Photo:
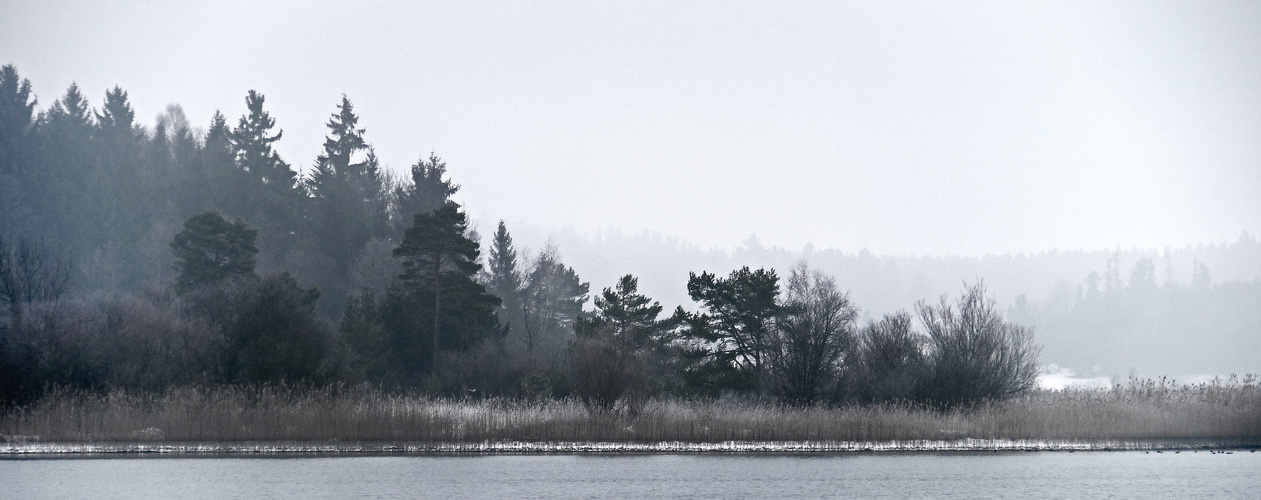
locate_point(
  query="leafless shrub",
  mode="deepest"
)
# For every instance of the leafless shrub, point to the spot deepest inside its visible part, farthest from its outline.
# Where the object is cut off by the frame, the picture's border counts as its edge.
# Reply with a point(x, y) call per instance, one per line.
point(608, 374)
point(890, 361)
point(974, 354)
point(30, 275)
point(811, 347)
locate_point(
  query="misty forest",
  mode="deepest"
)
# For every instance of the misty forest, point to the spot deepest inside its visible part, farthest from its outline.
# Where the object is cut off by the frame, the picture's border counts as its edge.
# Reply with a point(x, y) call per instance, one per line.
point(166, 258)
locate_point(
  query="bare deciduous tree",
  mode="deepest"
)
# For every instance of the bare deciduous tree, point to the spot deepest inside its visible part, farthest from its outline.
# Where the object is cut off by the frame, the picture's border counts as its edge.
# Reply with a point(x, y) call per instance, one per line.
point(29, 275)
point(890, 360)
point(814, 339)
point(975, 355)
point(551, 301)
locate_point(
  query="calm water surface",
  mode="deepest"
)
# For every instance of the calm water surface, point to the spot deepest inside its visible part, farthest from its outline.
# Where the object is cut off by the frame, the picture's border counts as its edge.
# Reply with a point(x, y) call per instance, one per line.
point(968, 475)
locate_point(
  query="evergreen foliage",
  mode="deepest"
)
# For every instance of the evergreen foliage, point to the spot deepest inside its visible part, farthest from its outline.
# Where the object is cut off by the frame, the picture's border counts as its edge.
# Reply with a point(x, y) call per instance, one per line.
point(625, 314)
point(428, 191)
point(729, 340)
point(505, 280)
point(17, 108)
point(397, 261)
point(438, 284)
point(275, 335)
point(211, 249)
point(364, 340)
point(347, 199)
point(272, 199)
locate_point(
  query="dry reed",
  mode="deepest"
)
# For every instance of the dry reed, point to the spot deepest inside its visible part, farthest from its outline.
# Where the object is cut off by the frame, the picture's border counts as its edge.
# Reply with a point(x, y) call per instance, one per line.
point(1140, 410)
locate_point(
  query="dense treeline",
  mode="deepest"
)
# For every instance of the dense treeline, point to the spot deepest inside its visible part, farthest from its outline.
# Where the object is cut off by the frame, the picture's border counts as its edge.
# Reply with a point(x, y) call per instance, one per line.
point(138, 258)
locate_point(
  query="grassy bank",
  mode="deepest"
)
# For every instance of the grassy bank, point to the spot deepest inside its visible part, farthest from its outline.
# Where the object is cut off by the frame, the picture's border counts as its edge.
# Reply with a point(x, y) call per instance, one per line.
point(1141, 410)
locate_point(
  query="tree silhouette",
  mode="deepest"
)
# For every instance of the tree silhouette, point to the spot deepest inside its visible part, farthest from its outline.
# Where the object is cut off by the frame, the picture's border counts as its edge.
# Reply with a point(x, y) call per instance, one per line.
point(439, 256)
point(730, 338)
point(211, 249)
point(428, 191)
point(975, 355)
point(347, 199)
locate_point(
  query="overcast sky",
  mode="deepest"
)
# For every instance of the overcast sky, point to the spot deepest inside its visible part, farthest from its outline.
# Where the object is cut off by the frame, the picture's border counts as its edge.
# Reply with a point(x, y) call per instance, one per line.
point(906, 128)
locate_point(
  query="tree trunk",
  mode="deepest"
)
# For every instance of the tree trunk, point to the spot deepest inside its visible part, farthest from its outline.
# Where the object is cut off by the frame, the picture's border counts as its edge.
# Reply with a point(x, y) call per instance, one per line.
point(437, 311)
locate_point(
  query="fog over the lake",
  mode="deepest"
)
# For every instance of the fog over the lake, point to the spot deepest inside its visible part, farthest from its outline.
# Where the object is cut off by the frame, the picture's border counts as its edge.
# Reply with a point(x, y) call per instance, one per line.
point(909, 129)
point(904, 148)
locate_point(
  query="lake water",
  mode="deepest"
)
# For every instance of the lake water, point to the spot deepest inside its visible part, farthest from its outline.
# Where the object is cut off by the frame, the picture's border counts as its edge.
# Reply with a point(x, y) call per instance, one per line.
point(859, 475)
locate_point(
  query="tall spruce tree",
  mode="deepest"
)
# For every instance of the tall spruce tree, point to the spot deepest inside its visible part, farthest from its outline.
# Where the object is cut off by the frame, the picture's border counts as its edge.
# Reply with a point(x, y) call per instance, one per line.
point(505, 280)
point(227, 184)
point(274, 201)
point(60, 190)
point(347, 198)
point(427, 191)
point(17, 108)
point(129, 190)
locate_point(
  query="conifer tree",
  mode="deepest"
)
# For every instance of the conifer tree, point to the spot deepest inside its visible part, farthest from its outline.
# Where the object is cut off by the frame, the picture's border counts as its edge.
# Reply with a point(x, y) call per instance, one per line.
point(347, 196)
point(439, 264)
point(625, 314)
point(505, 280)
point(734, 332)
point(60, 190)
point(426, 192)
point(273, 200)
point(227, 183)
point(175, 150)
point(211, 249)
point(252, 142)
point(17, 108)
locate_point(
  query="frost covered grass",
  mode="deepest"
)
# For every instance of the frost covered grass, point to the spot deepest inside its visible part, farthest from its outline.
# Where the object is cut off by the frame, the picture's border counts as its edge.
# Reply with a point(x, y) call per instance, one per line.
point(1140, 410)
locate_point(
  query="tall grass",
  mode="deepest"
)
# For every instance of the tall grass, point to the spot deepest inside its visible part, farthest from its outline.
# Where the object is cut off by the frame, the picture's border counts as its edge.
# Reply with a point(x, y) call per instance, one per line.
point(1140, 410)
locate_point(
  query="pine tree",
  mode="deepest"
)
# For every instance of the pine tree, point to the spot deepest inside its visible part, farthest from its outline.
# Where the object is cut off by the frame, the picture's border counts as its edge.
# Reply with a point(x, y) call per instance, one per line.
point(211, 249)
point(439, 265)
point(625, 314)
point(734, 332)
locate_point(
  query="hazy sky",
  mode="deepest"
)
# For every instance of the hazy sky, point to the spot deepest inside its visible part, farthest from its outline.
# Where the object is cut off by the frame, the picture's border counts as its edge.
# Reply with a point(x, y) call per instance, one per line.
point(908, 128)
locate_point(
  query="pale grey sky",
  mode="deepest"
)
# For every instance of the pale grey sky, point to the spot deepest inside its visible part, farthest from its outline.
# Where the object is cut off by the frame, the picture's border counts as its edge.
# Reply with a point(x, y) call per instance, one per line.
point(917, 128)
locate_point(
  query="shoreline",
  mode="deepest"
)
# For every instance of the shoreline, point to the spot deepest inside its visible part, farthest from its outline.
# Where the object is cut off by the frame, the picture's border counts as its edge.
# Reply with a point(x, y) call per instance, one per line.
point(240, 449)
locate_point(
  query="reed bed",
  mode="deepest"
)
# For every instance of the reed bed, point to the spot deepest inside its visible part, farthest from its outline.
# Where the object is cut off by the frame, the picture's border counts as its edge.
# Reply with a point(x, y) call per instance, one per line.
point(1140, 410)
